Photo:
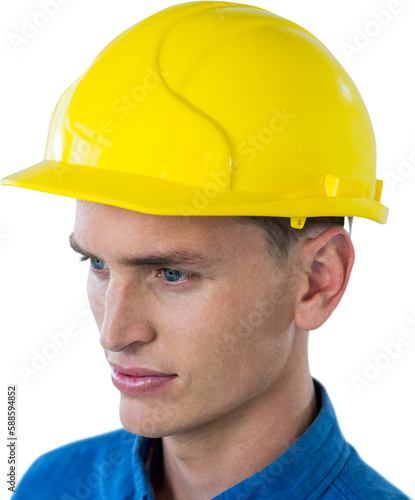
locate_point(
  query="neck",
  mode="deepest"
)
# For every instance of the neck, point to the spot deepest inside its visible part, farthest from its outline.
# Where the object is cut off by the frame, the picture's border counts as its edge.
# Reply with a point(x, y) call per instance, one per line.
point(203, 462)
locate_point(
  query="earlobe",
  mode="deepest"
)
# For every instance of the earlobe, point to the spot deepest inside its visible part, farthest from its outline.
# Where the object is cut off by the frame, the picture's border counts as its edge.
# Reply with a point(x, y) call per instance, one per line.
point(326, 262)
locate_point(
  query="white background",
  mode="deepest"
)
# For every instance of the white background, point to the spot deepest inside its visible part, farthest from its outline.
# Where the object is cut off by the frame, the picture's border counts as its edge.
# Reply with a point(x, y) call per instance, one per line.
point(43, 284)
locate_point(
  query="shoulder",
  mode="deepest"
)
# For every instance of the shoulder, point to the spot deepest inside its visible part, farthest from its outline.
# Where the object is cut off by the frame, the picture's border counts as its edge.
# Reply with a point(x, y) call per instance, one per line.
point(359, 481)
point(82, 467)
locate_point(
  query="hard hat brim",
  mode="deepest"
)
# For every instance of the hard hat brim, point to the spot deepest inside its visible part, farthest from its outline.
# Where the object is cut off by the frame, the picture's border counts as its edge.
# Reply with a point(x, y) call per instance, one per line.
point(160, 197)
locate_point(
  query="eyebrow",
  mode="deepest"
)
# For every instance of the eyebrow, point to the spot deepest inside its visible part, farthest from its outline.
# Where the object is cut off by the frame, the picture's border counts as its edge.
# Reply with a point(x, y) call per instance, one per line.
point(177, 257)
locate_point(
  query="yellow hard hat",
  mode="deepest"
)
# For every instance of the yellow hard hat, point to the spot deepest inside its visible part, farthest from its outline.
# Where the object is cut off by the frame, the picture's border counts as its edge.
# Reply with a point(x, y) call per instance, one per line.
point(214, 108)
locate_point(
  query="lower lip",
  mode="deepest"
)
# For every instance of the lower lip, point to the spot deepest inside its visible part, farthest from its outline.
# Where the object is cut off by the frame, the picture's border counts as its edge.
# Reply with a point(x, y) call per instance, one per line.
point(139, 385)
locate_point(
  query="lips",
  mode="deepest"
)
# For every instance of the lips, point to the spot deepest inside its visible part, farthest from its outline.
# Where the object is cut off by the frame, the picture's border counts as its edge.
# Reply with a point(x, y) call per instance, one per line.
point(139, 380)
point(138, 371)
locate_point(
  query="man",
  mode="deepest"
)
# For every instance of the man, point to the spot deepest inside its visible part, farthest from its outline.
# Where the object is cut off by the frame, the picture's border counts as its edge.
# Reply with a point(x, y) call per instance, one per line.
point(214, 150)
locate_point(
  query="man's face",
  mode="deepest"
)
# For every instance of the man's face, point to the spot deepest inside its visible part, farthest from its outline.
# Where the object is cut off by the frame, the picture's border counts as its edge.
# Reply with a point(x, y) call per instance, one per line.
point(225, 333)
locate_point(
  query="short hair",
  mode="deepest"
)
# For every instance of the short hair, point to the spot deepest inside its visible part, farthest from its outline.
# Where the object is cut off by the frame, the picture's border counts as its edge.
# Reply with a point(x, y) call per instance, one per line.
point(281, 237)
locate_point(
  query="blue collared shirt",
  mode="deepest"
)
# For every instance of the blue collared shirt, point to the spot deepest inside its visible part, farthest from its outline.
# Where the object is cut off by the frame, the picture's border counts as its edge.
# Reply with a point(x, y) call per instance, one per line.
point(117, 466)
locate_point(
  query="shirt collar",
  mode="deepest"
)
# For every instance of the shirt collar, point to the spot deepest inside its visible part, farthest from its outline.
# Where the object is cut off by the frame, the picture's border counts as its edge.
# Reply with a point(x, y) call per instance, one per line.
point(304, 470)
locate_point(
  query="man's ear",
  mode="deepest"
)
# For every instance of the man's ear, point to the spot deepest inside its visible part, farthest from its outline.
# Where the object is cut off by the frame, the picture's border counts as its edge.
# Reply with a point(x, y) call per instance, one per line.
point(326, 262)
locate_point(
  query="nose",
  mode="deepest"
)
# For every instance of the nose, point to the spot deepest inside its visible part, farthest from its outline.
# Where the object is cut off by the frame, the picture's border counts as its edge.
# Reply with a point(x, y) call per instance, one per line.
point(126, 318)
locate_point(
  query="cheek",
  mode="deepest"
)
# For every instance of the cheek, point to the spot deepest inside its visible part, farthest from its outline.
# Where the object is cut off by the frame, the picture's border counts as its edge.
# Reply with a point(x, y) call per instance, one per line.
point(96, 298)
point(230, 337)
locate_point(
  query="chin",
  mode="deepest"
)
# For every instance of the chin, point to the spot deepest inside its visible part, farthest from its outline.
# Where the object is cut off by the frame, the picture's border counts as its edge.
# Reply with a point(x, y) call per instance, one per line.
point(153, 421)
point(147, 428)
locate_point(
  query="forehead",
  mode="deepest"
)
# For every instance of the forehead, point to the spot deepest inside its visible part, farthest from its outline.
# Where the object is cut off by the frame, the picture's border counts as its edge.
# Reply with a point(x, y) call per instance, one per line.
point(92, 214)
point(128, 231)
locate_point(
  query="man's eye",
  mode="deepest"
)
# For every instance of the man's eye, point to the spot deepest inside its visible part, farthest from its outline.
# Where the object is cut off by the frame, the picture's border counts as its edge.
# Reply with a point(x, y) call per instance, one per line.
point(173, 275)
point(97, 264)
point(170, 275)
